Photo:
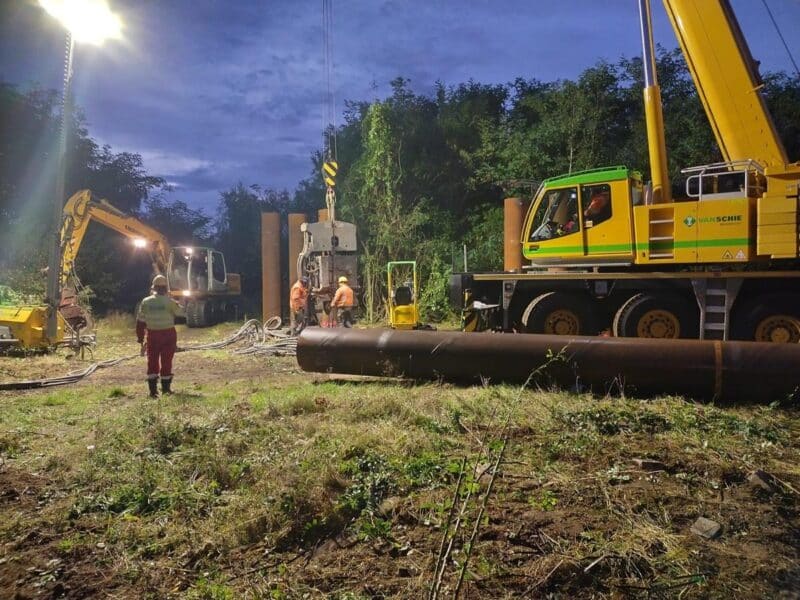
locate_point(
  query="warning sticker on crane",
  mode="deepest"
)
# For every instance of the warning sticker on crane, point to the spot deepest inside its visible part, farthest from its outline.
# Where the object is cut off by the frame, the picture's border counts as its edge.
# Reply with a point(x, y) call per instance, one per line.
point(329, 169)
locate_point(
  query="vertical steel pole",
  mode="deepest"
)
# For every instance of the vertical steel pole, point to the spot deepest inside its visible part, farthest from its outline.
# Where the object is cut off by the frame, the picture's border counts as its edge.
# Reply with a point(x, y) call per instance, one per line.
point(54, 264)
point(654, 119)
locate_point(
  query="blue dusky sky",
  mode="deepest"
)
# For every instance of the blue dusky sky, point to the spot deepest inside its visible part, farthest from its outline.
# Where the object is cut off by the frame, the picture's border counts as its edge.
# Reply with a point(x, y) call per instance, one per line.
point(212, 92)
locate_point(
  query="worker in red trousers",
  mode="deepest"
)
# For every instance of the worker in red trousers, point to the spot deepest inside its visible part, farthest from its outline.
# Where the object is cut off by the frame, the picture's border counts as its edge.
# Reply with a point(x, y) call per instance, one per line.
point(157, 315)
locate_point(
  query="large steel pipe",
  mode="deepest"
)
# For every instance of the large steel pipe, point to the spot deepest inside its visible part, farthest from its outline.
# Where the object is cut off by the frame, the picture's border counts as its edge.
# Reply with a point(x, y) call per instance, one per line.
point(726, 371)
point(270, 265)
point(513, 214)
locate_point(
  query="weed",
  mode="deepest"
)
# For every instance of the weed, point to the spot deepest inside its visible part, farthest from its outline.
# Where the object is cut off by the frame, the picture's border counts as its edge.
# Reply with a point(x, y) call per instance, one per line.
point(546, 500)
point(373, 528)
point(429, 468)
point(206, 589)
point(10, 445)
point(371, 481)
point(610, 421)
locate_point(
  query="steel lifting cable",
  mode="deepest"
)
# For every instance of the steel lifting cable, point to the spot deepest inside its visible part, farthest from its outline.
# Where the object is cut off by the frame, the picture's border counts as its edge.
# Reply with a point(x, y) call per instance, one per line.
point(329, 125)
point(263, 340)
point(780, 35)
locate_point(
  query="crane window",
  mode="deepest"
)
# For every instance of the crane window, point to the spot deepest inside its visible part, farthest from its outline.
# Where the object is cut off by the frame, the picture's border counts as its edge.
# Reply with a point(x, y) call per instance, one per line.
point(179, 274)
point(218, 267)
point(596, 200)
point(556, 215)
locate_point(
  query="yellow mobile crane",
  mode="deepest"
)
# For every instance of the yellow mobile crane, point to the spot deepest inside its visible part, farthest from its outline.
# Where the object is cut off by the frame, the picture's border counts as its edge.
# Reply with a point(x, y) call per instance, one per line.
point(721, 263)
point(196, 275)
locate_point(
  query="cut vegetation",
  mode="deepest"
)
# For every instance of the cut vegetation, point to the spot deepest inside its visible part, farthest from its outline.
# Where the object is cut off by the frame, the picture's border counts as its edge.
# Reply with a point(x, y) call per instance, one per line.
point(257, 480)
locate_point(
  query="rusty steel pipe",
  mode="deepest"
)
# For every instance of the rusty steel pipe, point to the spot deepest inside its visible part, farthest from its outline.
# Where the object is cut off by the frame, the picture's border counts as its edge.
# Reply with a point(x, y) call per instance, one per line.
point(513, 214)
point(270, 265)
point(726, 371)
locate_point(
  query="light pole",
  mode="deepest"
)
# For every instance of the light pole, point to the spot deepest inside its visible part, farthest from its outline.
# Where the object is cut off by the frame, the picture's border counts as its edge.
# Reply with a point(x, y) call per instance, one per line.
point(88, 21)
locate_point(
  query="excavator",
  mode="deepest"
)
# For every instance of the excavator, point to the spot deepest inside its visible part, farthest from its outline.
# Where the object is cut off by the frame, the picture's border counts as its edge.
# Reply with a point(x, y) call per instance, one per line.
point(196, 275)
point(609, 253)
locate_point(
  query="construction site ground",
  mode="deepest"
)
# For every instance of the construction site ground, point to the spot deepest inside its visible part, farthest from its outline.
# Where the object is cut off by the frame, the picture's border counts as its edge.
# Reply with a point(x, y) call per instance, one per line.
point(256, 480)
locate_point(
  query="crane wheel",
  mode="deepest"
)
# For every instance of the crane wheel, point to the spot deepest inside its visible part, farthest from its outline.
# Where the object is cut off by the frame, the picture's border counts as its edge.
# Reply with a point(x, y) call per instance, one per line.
point(558, 313)
point(774, 318)
point(657, 316)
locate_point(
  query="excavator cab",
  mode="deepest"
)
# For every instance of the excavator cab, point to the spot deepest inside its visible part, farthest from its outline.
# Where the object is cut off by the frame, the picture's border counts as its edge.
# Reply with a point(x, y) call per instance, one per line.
point(198, 276)
point(195, 271)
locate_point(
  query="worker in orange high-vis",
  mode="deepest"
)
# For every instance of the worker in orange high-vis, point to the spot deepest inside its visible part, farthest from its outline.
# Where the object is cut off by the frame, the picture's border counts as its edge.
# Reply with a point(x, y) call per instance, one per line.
point(156, 316)
point(342, 304)
point(298, 302)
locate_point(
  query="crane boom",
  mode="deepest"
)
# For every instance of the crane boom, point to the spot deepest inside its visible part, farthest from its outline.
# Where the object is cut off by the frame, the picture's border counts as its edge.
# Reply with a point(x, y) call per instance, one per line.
point(82, 208)
point(727, 81)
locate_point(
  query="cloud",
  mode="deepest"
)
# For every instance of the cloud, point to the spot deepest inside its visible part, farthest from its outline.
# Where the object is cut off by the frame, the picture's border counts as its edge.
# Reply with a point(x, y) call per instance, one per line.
point(165, 164)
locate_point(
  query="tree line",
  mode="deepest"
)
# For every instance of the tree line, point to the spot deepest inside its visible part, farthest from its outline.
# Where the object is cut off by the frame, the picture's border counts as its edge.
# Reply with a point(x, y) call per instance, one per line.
point(421, 175)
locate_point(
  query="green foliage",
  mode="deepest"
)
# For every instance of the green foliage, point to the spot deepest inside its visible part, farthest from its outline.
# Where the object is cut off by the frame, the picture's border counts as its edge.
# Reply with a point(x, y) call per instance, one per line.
point(609, 421)
point(433, 298)
point(546, 500)
point(371, 481)
point(209, 589)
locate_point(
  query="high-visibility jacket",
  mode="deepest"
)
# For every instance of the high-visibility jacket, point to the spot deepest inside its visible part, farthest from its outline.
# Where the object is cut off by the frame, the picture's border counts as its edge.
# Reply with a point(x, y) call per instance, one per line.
point(298, 297)
point(158, 312)
point(344, 297)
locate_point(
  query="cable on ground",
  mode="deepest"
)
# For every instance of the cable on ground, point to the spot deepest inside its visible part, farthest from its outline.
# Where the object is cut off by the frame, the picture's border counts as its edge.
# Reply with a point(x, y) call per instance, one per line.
point(262, 340)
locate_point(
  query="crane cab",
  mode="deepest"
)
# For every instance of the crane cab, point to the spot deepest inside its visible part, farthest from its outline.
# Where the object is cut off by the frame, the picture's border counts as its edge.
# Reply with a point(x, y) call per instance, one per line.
point(583, 219)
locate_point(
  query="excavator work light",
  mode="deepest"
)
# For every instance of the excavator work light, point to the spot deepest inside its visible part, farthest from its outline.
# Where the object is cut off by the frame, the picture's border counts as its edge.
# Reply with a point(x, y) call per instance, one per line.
point(139, 242)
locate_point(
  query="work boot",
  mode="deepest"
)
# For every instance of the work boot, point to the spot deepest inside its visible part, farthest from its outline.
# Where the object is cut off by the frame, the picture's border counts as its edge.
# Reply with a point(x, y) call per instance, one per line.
point(166, 385)
point(153, 383)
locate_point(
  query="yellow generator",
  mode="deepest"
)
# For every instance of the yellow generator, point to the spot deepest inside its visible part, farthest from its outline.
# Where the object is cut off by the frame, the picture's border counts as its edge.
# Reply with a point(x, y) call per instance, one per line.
point(403, 302)
point(26, 327)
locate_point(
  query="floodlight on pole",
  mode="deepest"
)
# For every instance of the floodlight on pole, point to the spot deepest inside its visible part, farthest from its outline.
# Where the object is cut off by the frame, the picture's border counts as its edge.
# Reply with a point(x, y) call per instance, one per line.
point(89, 21)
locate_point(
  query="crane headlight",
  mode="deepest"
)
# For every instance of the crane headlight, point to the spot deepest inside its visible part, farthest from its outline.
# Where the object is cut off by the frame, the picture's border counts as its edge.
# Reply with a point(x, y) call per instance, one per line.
point(139, 242)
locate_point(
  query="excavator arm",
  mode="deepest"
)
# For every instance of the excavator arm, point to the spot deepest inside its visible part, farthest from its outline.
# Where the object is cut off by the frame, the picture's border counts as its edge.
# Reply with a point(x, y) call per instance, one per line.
point(82, 208)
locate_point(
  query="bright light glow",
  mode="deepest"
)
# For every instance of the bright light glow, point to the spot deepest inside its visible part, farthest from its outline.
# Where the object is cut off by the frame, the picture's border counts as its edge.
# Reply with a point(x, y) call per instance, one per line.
point(139, 242)
point(190, 251)
point(186, 293)
point(89, 21)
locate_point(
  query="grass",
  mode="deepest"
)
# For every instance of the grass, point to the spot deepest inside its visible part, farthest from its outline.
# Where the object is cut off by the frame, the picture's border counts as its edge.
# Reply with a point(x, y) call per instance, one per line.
point(259, 481)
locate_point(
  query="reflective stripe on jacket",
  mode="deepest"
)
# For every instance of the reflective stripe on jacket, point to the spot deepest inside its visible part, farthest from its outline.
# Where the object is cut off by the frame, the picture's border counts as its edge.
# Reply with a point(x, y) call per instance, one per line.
point(344, 297)
point(159, 312)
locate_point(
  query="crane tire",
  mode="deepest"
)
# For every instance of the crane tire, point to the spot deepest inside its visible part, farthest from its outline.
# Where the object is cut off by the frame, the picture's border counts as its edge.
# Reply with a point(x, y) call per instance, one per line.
point(773, 318)
point(559, 313)
point(665, 316)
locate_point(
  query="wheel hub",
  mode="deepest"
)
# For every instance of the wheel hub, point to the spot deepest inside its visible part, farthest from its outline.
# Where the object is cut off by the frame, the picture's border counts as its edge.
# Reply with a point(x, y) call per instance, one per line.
point(779, 329)
point(562, 322)
point(659, 323)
